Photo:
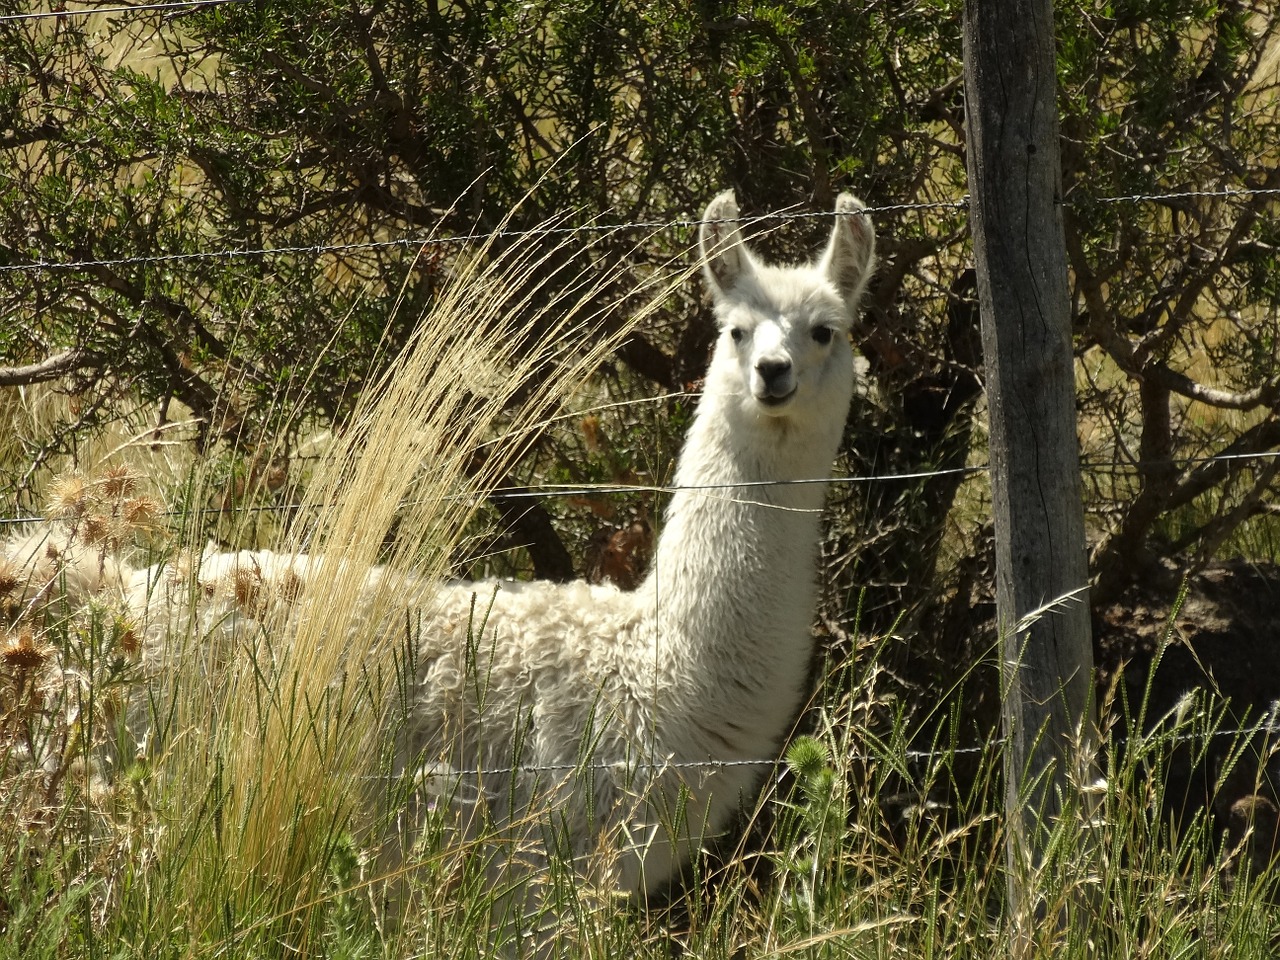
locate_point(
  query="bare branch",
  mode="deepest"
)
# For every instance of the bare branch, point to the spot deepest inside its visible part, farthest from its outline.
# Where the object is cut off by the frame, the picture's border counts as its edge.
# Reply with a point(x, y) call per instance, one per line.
point(50, 368)
point(1118, 347)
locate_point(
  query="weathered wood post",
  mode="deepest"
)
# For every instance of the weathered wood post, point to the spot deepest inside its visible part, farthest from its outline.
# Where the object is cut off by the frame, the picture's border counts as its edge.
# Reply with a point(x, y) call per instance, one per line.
point(1020, 252)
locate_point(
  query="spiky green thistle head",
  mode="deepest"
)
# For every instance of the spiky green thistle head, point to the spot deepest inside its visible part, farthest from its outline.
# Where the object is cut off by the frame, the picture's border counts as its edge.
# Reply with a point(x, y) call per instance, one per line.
point(807, 758)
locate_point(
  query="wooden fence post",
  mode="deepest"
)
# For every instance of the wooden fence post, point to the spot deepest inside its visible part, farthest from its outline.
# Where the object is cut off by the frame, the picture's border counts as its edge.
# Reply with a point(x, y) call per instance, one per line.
point(1019, 248)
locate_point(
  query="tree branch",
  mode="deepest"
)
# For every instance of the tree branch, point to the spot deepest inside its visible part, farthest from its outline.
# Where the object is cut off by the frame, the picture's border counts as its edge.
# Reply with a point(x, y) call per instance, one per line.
point(1265, 394)
point(528, 525)
point(50, 368)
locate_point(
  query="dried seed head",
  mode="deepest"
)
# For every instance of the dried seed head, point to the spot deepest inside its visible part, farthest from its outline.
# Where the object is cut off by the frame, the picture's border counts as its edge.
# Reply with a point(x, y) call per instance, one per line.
point(10, 577)
point(95, 529)
point(69, 496)
point(126, 636)
point(140, 511)
point(289, 586)
point(247, 586)
point(119, 482)
point(179, 570)
point(275, 476)
point(102, 793)
point(129, 642)
point(79, 771)
point(22, 651)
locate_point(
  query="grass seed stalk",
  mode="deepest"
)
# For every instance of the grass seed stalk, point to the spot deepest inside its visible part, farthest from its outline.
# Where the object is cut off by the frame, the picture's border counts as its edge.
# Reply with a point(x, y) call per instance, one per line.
point(284, 745)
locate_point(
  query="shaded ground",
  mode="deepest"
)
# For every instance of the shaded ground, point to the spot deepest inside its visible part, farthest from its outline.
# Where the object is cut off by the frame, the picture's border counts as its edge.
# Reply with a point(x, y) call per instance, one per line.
point(1225, 638)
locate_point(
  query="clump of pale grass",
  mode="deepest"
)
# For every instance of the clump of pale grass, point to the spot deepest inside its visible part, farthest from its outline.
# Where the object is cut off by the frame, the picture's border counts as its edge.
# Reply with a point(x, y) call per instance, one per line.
point(283, 754)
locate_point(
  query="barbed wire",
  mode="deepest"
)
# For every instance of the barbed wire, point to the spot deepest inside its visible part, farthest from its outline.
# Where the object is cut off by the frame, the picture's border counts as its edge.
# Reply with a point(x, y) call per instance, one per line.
point(558, 490)
point(160, 7)
point(1221, 193)
point(601, 229)
point(459, 239)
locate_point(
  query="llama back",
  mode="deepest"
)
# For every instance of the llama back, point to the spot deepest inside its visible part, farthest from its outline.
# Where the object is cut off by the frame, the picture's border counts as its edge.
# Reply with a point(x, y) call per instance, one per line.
point(526, 704)
point(542, 705)
point(501, 673)
point(47, 563)
point(515, 677)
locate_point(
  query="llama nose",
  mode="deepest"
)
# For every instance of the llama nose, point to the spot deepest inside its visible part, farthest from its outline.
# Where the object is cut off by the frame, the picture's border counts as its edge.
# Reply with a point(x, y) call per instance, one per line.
point(776, 376)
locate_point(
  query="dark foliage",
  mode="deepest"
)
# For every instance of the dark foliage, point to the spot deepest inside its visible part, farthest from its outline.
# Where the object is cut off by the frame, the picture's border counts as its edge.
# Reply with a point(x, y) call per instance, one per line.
point(155, 151)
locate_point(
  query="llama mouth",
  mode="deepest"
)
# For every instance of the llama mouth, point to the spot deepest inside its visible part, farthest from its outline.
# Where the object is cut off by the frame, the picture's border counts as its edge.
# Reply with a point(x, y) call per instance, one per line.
point(771, 401)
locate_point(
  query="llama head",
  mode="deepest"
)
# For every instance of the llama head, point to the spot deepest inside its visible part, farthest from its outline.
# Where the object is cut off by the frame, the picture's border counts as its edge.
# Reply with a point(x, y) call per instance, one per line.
point(784, 351)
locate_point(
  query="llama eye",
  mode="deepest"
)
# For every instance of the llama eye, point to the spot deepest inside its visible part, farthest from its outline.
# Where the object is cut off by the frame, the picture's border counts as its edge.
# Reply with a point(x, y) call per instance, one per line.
point(822, 335)
point(736, 333)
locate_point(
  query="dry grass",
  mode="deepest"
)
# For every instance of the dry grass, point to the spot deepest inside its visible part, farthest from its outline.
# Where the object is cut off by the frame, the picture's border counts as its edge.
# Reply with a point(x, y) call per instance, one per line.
point(285, 748)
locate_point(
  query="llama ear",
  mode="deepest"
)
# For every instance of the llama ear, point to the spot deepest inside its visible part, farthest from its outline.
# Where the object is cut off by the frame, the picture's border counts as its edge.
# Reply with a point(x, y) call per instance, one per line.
point(851, 252)
point(724, 255)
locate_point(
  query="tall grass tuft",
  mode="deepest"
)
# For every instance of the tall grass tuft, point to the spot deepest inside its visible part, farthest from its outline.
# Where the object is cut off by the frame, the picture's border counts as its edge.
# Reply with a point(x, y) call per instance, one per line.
point(276, 763)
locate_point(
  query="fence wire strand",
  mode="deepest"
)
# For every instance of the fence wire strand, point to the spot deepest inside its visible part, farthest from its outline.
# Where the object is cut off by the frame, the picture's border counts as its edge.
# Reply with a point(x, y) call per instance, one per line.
point(553, 490)
point(1268, 727)
point(599, 229)
point(433, 240)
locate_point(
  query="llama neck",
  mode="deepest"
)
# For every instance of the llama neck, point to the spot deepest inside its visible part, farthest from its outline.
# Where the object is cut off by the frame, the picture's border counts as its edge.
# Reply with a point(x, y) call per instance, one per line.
point(733, 584)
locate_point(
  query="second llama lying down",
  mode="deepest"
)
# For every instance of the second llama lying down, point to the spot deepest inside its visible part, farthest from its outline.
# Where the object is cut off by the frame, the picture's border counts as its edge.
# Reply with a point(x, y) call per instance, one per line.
point(660, 691)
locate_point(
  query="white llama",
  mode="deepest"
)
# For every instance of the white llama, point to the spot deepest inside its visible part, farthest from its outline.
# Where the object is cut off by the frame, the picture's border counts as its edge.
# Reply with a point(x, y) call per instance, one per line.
point(625, 714)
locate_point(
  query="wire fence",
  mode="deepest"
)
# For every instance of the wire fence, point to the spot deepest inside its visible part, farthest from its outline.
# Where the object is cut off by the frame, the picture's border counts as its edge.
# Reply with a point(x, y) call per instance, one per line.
point(432, 240)
point(1267, 727)
point(464, 239)
point(580, 490)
